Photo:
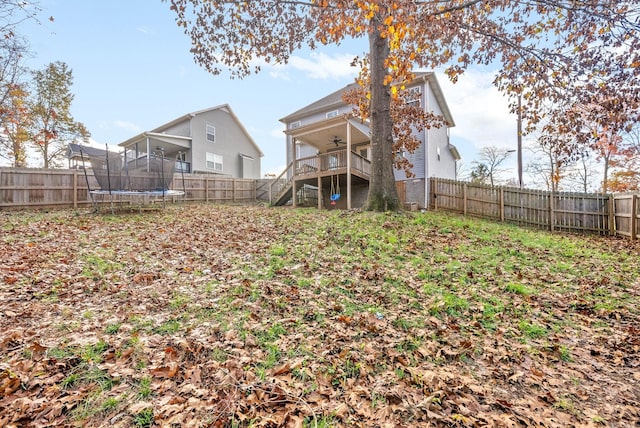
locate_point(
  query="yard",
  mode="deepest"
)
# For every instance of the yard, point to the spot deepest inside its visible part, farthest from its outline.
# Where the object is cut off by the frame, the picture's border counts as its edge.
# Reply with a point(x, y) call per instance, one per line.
point(248, 316)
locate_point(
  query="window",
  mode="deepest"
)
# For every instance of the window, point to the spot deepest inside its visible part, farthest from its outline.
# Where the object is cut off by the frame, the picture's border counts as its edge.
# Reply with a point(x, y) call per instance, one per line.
point(211, 134)
point(214, 162)
point(438, 151)
point(331, 114)
point(364, 153)
point(413, 96)
point(295, 124)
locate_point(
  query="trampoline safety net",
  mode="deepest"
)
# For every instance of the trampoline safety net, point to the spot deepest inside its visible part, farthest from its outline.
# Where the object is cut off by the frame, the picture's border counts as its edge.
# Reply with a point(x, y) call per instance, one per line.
point(150, 174)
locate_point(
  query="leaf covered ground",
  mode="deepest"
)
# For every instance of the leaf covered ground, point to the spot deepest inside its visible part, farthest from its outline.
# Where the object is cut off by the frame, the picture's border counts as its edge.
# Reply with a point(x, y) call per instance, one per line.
point(248, 316)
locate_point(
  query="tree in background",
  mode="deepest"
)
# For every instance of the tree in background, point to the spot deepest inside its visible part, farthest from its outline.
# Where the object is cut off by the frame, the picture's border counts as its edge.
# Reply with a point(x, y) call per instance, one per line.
point(13, 50)
point(479, 173)
point(52, 123)
point(14, 121)
point(549, 51)
point(626, 167)
point(488, 167)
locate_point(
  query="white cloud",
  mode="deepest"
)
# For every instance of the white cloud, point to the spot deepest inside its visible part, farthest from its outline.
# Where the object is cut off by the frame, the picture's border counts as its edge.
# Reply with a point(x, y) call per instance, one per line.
point(127, 126)
point(317, 66)
point(145, 30)
point(480, 111)
point(277, 132)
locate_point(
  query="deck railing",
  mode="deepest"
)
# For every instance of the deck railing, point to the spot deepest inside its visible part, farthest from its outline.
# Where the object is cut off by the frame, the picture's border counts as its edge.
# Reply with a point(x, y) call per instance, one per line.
point(312, 166)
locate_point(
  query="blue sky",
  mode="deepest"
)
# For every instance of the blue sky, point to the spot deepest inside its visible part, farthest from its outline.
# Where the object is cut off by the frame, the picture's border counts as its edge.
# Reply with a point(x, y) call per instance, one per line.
point(133, 71)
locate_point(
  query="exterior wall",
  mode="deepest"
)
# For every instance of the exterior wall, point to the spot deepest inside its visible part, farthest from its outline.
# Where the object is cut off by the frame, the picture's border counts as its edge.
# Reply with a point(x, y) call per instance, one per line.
point(417, 158)
point(183, 129)
point(230, 140)
point(440, 160)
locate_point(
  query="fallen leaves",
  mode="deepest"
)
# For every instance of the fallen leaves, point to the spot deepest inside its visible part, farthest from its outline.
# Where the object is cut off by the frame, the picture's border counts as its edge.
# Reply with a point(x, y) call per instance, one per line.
point(214, 315)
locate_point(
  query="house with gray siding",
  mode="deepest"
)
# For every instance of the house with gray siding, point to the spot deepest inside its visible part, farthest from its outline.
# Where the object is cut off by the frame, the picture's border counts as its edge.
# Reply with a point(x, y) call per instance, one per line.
point(210, 141)
point(328, 152)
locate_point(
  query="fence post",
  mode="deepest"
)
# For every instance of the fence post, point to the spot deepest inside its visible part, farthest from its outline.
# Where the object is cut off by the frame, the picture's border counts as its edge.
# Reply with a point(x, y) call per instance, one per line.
point(464, 199)
point(502, 204)
point(634, 216)
point(612, 215)
point(75, 189)
point(233, 188)
point(206, 188)
point(435, 194)
point(552, 212)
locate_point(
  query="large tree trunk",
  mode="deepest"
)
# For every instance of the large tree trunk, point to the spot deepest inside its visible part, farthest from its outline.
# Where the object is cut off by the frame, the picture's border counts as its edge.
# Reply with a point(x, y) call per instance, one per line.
point(383, 194)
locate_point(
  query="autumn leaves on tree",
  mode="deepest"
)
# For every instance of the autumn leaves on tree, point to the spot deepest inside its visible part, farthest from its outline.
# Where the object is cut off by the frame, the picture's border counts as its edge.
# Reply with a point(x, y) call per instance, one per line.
point(552, 54)
point(33, 112)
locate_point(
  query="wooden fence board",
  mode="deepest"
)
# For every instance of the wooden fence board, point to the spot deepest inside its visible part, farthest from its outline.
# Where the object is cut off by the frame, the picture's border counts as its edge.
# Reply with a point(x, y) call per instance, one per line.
point(562, 211)
point(31, 187)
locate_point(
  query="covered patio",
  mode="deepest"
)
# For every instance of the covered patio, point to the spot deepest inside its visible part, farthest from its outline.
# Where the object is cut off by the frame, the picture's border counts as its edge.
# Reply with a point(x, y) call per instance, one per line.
point(341, 162)
point(139, 149)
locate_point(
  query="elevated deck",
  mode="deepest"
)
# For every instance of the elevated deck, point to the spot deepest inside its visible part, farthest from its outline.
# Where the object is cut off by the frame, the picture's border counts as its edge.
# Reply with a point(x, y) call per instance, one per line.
point(319, 171)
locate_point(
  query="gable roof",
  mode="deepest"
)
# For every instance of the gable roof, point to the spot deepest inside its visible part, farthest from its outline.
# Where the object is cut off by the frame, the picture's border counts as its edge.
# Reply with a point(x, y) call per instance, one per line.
point(224, 107)
point(335, 100)
point(187, 117)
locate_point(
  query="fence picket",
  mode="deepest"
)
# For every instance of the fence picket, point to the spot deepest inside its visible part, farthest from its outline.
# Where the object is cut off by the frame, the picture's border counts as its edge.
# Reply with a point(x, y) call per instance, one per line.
point(554, 211)
point(32, 187)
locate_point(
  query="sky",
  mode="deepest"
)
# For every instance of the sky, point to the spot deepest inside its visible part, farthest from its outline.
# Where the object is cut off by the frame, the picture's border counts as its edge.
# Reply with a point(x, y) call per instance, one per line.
point(132, 72)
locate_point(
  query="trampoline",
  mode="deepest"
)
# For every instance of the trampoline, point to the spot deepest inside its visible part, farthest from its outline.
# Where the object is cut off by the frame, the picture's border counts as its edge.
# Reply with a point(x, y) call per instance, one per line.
point(134, 182)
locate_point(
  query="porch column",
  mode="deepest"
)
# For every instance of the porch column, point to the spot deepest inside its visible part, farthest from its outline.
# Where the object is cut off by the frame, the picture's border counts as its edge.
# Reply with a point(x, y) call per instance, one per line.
point(293, 193)
point(293, 171)
point(148, 154)
point(348, 165)
point(319, 192)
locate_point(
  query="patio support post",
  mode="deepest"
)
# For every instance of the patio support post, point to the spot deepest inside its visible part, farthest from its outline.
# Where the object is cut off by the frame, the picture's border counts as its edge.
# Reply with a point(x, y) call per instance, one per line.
point(348, 165)
point(293, 193)
point(319, 192)
point(148, 154)
point(293, 171)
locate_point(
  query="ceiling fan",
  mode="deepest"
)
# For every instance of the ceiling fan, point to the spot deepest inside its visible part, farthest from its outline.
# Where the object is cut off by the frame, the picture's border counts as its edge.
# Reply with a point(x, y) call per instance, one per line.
point(336, 140)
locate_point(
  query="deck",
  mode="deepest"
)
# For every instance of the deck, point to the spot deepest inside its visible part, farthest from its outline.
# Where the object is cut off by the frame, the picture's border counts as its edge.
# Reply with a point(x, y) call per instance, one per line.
point(319, 171)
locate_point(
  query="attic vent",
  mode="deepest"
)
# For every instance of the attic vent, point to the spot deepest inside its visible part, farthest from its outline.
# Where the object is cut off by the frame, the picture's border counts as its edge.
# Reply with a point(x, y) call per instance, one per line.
point(294, 125)
point(331, 114)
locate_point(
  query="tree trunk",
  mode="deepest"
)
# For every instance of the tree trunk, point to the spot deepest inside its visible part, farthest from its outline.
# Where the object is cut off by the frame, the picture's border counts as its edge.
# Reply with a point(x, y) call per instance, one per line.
point(383, 194)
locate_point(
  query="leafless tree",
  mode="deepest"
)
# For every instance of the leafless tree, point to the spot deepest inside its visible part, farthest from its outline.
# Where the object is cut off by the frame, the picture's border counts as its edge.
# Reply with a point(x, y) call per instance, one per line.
point(490, 161)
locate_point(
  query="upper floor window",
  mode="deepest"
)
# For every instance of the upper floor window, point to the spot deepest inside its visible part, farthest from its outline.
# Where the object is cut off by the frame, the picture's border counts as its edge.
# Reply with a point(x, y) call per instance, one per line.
point(331, 114)
point(413, 96)
point(211, 134)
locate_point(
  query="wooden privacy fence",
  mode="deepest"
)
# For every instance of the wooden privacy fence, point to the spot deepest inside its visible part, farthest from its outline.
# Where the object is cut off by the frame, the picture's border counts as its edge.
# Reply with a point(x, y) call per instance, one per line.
point(29, 187)
point(556, 211)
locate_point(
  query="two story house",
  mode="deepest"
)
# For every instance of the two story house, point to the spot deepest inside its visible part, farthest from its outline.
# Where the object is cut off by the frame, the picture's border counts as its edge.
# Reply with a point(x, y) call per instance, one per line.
point(328, 152)
point(206, 141)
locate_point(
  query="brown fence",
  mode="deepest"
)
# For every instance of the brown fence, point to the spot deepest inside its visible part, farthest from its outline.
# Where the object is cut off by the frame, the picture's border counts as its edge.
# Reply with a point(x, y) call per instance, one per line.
point(572, 212)
point(29, 187)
